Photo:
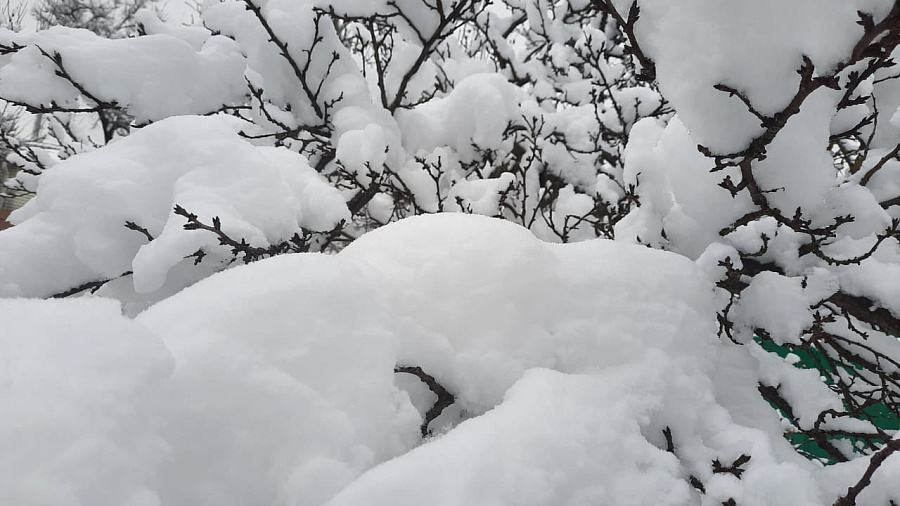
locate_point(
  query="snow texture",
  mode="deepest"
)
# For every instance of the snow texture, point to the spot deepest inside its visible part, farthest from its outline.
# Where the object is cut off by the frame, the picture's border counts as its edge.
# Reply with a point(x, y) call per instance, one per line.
point(129, 72)
point(567, 362)
point(262, 194)
point(571, 365)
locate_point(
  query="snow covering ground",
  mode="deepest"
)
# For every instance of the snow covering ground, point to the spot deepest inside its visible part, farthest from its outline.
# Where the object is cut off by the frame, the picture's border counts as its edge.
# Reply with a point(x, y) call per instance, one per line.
point(274, 383)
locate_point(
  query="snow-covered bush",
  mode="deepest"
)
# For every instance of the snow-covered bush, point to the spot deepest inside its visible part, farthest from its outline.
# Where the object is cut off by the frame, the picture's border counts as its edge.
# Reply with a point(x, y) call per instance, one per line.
point(757, 143)
point(69, 132)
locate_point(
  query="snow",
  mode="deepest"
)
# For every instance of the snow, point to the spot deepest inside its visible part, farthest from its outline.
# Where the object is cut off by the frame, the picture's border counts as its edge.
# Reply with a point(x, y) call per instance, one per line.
point(196, 36)
point(854, 200)
point(78, 383)
point(677, 188)
point(481, 196)
point(261, 194)
point(771, 302)
point(874, 279)
point(363, 151)
point(883, 489)
point(283, 390)
point(483, 460)
point(802, 388)
point(283, 387)
point(294, 23)
point(476, 112)
point(587, 373)
point(127, 72)
point(756, 47)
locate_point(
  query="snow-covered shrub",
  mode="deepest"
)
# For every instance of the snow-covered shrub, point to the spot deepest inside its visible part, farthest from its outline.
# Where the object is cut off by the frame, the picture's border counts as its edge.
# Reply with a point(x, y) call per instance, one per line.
point(579, 373)
point(758, 143)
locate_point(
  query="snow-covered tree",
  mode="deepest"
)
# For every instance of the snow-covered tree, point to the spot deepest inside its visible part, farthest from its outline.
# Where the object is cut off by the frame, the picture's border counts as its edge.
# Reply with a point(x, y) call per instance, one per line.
point(738, 332)
point(55, 133)
point(107, 18)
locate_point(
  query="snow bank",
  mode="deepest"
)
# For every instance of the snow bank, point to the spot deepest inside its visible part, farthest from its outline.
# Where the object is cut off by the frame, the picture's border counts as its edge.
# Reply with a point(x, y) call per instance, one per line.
point(568, 364)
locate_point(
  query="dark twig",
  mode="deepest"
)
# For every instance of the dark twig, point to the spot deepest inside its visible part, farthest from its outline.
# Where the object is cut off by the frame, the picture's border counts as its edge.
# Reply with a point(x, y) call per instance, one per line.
point(734, 468)
point(130, 225)
point(849, 499)
point(91, 286)
point(444, 397)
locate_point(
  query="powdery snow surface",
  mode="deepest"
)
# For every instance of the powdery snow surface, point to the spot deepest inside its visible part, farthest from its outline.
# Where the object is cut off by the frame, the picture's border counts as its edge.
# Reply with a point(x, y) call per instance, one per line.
point(78, 424)
point(274, 383)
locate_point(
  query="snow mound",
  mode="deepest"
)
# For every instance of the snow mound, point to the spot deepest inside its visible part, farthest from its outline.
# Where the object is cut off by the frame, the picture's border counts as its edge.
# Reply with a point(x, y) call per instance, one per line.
point(283, 389)
point(77, 381)
point(568, 364)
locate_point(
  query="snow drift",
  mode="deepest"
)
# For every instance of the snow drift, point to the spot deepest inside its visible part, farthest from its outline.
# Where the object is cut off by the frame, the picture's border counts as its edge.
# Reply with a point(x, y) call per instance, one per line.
point(274, 383)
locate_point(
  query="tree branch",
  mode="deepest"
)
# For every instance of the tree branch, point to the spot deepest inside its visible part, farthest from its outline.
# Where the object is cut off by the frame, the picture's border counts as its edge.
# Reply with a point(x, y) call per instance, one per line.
point(444, 397)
